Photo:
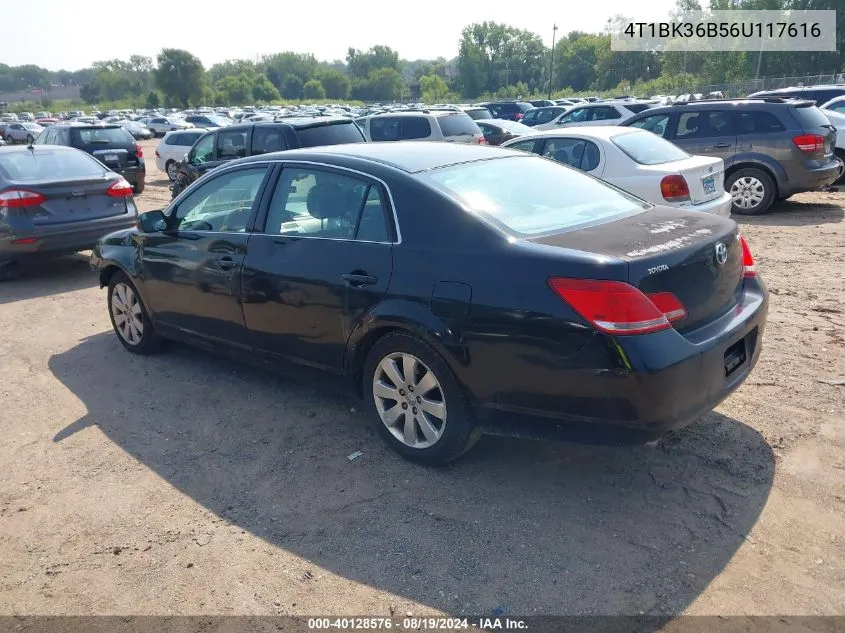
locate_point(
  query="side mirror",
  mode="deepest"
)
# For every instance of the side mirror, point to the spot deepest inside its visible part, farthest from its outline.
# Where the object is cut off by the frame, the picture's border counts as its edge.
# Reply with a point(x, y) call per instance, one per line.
point(152, 222)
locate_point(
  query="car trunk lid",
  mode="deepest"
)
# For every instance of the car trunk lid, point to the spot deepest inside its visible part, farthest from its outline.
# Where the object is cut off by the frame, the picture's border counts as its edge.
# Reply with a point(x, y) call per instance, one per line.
point(113, 146)
point(704, 175)
point(75, 201)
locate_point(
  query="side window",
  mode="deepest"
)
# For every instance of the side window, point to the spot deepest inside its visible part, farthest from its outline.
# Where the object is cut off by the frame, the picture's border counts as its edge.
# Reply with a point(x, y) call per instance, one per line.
point(758, 122)
point(64, 137)
point(231, 144)
point(221, 204)
point(605, 113)
point(656, 123)
point(326, 204)
point(523, 146)
point(203, 151)
point(384, 129)
point(709, 124)
point(173, 139)
point(414, 127)
point(575, 152)
point(575, 116)
point(266, 139)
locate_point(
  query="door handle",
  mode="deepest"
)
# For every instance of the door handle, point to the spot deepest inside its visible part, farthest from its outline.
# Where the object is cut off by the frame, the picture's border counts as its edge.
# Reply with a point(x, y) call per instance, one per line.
point(358, 280)
point(226, 263)
point(723, 145)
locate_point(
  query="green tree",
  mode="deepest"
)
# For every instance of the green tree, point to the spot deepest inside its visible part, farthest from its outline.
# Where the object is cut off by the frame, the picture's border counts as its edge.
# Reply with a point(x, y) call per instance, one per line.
point(153, 100)
point(281, 67)
point(433, 89)
point(335, 83)
point(360, 64)
point(263, 90)
point(313, 89)
point(180, 76)
point(383, 84)
point(292, 87)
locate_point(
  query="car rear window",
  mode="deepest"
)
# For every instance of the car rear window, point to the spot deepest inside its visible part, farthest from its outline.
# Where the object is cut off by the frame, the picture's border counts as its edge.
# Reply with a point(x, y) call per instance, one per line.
point(478, 113)
point(335, 134)
point(48, 164)
point(636, 108)
point(528, 196)
point(646, 148)
point(810, 118)
point(457, 125)
point(103, 136)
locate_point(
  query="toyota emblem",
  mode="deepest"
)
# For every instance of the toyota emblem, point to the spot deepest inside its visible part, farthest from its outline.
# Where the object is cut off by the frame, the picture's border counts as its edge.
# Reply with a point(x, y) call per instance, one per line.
point(721, 253)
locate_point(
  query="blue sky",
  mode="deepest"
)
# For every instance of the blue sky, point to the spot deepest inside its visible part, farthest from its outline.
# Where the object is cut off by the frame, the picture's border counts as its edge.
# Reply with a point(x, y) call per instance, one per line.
point(71, 35)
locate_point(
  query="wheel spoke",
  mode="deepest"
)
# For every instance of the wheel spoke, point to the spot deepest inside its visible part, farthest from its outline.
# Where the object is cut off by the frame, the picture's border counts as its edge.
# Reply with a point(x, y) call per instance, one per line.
point(410, 432)
point(392, 370)
point(382, 390)
point(437, 409)
point(119, 318)
point(426, 383)
point(392, 415)
point(429, 431)
point(136, 308)
point(409, 368)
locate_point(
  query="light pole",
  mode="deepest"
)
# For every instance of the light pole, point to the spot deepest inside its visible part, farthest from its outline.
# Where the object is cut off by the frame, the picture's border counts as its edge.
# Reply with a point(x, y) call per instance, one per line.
point(552, 64)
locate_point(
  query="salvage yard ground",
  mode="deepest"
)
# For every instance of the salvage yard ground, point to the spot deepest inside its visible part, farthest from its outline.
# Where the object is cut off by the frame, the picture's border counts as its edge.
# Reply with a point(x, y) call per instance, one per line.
point(183, 484)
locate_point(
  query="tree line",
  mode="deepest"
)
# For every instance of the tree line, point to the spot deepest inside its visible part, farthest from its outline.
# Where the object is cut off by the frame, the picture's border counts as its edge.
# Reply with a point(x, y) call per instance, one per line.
point(494, 60)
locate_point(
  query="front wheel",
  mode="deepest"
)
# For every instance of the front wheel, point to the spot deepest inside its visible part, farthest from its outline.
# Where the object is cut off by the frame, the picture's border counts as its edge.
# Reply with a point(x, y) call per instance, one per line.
point(420, 409)
point(129, 317)
point(170, 168)
point(753, 191)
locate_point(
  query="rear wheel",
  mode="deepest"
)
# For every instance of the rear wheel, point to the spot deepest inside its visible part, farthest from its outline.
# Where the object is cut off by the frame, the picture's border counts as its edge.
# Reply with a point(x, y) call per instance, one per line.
point(138, 187)
point(129, 317)
point(840, 154)
point(170, 168)
point(752, 190)
point(420, 409)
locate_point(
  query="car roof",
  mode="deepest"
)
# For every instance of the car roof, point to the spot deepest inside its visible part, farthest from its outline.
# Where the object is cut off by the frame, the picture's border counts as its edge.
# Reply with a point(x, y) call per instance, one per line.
point(20, 149)
point(603, 132)
point(409, 157)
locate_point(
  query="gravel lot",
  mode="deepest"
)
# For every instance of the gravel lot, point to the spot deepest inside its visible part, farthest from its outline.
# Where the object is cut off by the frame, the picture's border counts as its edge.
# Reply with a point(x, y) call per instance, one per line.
point(184, 484)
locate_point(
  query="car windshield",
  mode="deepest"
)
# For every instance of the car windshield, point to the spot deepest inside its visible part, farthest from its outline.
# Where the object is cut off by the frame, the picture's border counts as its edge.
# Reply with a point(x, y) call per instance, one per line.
point(646, 148)
point(527, 196)
point(32, 126)
point(46, 164)
point(218, 120)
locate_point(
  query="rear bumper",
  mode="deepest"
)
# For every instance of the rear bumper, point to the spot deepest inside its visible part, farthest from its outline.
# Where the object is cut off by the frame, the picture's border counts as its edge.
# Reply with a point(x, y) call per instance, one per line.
point(720, 206)
point(813, 179)
point(662, 381)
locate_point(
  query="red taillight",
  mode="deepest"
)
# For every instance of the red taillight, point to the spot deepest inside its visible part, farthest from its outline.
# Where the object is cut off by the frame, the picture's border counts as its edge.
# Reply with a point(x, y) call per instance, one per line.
point(674, 188)
point(482, 140)
point(25, 240)
point(748, 267)
point(139, 151)
point(615, 307)
point(518, 116)
point(119, 189)
point(809, 143)
point(17, 198)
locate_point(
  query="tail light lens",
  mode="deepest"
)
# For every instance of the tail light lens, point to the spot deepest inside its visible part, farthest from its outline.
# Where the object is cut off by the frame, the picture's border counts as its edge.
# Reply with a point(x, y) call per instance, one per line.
point(748, 267)
point(518, 116)
point(482, 140)
point(119, 189)
point(615, 307)
point(809, 143)
point(18, 198)
point(674, 188)
point(139, 151)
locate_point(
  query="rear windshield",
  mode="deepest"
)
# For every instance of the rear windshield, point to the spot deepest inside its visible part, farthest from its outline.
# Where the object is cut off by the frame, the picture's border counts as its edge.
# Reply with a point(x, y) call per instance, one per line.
point(47, 164)
point(457, 125)
point(529, 196)
point(646, 148)
point(810, 118)
point(479, 113)
point(103, 136)
point(330, 135)
point(636, 108)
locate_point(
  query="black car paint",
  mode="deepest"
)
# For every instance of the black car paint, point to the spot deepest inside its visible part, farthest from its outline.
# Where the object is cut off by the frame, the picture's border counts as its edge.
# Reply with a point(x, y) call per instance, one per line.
point(528, 363)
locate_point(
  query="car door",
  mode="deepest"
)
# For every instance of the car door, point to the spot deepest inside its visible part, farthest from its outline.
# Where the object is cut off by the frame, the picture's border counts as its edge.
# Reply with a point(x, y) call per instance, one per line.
point(192, 270)
point(579, 153)
point(321, 263)
point(706, 133)
point(604, 115)
point(202, 157)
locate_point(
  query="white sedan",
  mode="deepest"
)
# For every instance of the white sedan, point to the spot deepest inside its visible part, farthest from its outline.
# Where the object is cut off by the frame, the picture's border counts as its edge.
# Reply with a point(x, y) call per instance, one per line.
point(173, 147)
point(639, 162)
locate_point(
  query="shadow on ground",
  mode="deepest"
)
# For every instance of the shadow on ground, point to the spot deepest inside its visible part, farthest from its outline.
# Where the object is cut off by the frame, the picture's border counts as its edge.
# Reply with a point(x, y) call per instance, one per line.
point(44, 277)
point(516, 526)
point(795, 213)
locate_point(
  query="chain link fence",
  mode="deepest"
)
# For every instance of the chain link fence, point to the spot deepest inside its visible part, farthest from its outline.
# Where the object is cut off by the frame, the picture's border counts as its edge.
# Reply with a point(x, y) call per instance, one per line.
point(745, 88)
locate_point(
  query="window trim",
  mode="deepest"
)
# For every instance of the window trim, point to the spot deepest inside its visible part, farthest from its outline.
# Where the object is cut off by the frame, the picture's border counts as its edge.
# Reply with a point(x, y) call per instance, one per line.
point(262, 219)
point(568, 137)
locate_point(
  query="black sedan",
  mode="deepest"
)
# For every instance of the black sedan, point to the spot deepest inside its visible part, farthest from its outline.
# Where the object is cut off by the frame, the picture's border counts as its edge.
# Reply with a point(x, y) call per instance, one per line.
point(461, 289)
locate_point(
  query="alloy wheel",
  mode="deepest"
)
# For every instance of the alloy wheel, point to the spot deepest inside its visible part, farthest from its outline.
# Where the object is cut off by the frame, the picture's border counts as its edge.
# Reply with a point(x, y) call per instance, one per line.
point(127, 313)
point(409, 400)
point(747, 192)
point(171, 170)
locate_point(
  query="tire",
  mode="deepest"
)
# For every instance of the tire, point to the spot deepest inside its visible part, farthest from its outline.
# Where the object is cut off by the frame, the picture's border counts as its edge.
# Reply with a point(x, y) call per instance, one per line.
point(179, 185)
point(138, 188)
point(171, 164)
point(8, 271)
point(753, 188)
point(418, 433)
point(840, 154)
point(122, 292)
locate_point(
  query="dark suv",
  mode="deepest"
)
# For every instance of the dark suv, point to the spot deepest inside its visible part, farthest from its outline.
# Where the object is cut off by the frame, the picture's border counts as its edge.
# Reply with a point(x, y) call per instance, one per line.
point(772, 148)
point(219, 146)
point(112, 145)
point(511, 110)
point(817, 94)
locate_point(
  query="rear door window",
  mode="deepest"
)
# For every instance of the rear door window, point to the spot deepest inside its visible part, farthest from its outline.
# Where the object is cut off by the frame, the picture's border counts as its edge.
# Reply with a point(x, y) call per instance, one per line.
point(231, 144)
point(656, 124)
point(268, 138)
point(575, 152)
point(335, 134)
point(577, 115)
point(758, 122)
point(605, 113)
point(706, 124)
point(457, 125)
point(524, 146)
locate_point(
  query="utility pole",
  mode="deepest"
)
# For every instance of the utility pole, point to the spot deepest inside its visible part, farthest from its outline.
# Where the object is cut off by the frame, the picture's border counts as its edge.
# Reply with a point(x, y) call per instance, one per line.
point(552, 64)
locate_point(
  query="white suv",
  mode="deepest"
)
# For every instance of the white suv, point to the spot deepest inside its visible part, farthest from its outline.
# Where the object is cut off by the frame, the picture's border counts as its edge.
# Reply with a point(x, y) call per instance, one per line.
point(173, 147)
point(451, 126)
point(600, 113)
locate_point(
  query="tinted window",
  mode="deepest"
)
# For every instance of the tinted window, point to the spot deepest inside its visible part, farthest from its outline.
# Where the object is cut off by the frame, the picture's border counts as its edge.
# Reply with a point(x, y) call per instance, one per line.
point(648, 149)
point(822, 96)
point(268, 139)
point(575, 116)
point(457, 125)
point(758, 122)
point(605, 113)
point(414, 127)
point(543, 115)
point(526, 196)
point(203, 150)
point(221, 204)
point(636, 108)
point(705, 124)
point(657, 123)
point(46, 164)
point(479, 113)
point(174, 139)
point(523, 146)
point(103, 136)
point(810, 118)
point(837, 107)
point(231, 144)
point(578, 153)
point(326, 204)
point(385, 129)
point(335, 134)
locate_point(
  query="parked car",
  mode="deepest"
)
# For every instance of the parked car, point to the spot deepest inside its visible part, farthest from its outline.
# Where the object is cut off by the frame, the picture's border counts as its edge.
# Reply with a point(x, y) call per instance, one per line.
point(837, 104)
point(836, 116)
point(173, 147)
point(56, 200)
point(208, 120)
point(138, 131)
point(476, 112)
point(538, 116)
point(497, 131)
point(600, 113)
point(110, 144)
point(639, 162)
point(427, 125)
point(217, 147)
point(817, 94)
point(772, 148)
point(160, 125)
point(511, 110)
point(419, 271)
point(22, 132)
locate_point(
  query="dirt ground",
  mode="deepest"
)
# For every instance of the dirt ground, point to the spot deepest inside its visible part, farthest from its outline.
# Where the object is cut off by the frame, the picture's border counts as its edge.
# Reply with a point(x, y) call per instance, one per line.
point(183, 484)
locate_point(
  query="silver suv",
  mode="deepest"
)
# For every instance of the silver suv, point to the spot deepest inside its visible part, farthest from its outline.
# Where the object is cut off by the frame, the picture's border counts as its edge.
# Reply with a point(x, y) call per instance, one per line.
point(422, 125)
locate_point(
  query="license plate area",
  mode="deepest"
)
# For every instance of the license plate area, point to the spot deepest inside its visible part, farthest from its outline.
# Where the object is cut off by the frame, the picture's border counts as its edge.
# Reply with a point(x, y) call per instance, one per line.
point(709, 184)
point(735, 357)
point(110, 158)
